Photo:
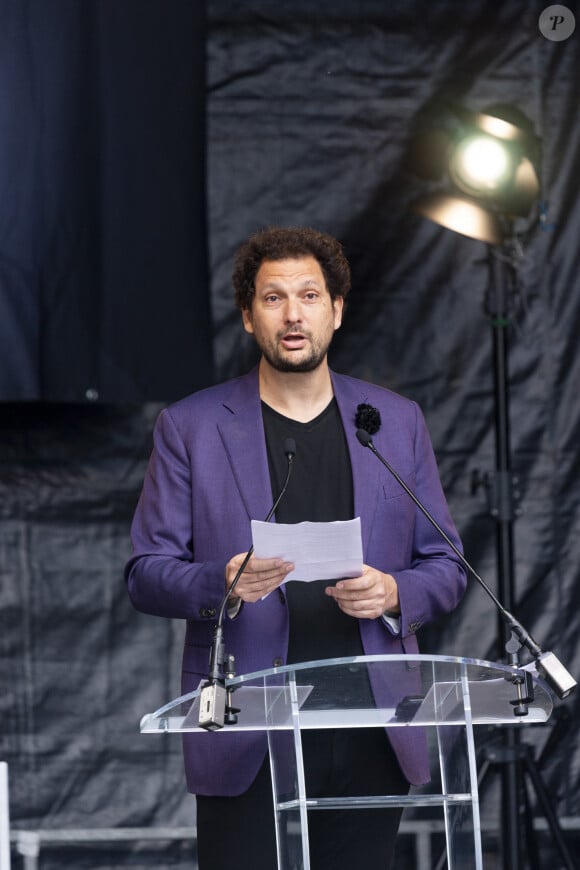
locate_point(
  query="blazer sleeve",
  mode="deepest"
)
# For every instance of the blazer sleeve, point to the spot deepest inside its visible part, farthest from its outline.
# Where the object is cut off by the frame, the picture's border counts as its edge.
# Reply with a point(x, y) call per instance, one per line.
point(162, 575)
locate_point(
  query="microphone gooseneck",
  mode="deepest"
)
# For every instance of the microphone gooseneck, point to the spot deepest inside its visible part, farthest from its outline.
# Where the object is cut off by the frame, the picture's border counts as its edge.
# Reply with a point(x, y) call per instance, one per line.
point(212, 710)
point(290, 452)
point(548, 666)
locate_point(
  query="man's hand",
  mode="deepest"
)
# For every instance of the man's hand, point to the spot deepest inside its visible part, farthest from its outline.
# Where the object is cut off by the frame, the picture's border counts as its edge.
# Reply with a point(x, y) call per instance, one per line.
point(260, 576)
point(368, 596)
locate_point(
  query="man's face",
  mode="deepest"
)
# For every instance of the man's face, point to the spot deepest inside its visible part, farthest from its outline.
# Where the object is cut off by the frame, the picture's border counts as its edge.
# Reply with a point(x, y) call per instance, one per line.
point(292, 316)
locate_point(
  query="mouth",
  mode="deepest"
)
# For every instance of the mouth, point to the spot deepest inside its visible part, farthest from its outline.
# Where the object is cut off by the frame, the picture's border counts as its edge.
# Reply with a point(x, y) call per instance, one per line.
point(294, 340)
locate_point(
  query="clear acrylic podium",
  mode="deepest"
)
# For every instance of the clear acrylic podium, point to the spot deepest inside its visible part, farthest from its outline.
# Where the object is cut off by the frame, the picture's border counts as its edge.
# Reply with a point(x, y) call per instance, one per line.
point(444, 696)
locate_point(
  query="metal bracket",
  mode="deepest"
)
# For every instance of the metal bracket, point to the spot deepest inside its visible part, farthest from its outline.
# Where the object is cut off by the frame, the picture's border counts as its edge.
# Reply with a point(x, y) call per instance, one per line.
point(503, 493)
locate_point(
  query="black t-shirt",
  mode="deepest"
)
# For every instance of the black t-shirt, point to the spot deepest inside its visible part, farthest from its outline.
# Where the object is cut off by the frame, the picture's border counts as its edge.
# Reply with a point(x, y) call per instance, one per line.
point(320, 490)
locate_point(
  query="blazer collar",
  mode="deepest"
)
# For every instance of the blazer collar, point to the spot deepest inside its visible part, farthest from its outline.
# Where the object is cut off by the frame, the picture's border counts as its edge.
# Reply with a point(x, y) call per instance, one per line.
point(242, 432)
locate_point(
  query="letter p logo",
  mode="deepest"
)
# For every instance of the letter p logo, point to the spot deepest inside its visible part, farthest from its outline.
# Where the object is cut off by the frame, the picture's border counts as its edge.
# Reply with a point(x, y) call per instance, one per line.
point(557, 23)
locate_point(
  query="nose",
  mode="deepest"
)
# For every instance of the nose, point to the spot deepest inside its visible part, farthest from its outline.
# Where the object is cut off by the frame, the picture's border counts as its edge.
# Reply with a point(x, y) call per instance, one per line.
point(292, 313)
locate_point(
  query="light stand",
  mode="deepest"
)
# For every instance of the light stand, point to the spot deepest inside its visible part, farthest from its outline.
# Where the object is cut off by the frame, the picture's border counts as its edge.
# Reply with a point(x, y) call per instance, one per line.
point(485, 191)
point(515, 759)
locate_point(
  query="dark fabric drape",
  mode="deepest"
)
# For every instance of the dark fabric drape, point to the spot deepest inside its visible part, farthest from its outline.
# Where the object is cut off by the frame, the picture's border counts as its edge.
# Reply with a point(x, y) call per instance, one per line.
point(309, 109)
point(103, 280)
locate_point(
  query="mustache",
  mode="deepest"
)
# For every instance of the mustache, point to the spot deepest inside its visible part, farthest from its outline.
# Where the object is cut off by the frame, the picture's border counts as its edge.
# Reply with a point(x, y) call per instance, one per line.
point(283, 333)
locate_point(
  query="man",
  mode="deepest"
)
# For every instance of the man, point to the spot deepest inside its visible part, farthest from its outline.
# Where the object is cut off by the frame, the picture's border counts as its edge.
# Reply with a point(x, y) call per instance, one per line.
point(218, 462)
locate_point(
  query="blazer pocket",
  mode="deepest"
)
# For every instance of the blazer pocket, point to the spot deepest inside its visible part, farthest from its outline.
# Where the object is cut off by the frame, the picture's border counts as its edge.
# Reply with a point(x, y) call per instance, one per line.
point(392, 488)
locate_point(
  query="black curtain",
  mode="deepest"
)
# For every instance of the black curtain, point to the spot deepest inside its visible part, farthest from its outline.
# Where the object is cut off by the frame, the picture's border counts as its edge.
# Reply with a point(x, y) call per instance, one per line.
point(103, 272)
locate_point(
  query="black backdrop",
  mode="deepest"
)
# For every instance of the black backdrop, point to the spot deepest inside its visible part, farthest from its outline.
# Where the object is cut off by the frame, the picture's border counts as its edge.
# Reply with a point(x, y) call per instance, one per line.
point(309, 107)
point(102, 215)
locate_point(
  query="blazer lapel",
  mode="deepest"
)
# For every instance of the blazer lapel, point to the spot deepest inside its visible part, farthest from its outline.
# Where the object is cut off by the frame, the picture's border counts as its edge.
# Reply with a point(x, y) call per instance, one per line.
point(366, 489)
point(242, 432)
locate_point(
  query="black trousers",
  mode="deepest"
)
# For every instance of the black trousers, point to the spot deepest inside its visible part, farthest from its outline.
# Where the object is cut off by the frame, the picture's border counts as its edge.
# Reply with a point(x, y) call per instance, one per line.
point(239, 831)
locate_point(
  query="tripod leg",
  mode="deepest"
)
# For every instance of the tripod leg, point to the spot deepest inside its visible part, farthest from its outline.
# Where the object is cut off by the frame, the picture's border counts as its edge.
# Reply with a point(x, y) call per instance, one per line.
point(511, 779)
point(531, 843)
point(549, 814)
point(482, 775)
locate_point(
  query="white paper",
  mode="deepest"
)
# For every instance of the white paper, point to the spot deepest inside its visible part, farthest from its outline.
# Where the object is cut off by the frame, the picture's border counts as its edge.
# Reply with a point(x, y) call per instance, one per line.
point(319, 551)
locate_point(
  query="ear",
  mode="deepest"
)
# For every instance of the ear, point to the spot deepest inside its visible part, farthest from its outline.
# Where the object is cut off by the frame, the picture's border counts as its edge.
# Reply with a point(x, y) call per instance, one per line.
point(338, 305)
point(247, 320)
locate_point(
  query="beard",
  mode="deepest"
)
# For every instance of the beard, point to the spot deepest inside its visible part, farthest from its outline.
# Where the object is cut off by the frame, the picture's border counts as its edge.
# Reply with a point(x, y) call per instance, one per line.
point(283, 361)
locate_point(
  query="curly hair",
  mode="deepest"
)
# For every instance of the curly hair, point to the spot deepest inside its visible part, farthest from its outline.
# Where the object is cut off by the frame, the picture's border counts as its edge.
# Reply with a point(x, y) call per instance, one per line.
point(282, 243)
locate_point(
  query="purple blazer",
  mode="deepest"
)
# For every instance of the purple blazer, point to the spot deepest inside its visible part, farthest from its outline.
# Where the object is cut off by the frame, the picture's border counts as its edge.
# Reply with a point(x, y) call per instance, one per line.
point(208, 477)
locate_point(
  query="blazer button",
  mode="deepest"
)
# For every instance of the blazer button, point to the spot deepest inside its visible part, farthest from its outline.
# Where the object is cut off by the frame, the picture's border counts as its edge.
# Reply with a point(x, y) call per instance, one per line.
point(277, 663)
point(207, 612)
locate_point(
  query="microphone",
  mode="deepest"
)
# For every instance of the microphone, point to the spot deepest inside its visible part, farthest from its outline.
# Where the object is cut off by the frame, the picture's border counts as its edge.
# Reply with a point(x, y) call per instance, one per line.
point(547, 665)
point(215, 707)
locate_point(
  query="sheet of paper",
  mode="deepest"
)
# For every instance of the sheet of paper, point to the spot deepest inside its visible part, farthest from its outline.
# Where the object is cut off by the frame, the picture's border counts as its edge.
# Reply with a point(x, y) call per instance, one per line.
point(319, 551)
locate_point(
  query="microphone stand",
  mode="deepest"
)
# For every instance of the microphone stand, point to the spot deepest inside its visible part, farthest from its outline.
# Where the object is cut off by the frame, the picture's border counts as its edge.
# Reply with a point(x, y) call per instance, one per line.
point(215, 700)
point(547, 665)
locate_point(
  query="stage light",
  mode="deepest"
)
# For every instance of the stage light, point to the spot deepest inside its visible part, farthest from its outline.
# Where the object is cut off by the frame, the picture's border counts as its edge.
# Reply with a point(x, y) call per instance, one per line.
point(487, 159)
point(462, 215)
point(481, 165)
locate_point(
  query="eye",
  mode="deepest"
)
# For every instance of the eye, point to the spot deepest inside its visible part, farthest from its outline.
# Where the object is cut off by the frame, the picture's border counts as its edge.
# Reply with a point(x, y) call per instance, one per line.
point(311, 295)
